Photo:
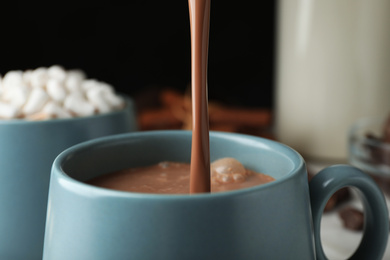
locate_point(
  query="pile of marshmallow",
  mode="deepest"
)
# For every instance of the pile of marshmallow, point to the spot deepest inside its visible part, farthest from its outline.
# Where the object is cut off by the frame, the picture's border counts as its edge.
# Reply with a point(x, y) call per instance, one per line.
point(53, 92)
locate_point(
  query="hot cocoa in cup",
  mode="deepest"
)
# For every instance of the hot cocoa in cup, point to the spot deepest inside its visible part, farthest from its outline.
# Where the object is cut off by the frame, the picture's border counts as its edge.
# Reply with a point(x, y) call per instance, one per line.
point(174, 178)
point(88, 222)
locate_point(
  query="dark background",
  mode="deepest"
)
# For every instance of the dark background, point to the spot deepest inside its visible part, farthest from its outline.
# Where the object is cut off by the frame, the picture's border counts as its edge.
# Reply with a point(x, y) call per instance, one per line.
point(143, 45)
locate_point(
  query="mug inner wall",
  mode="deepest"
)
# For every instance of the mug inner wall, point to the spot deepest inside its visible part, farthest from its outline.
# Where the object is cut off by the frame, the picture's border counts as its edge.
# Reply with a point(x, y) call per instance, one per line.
point(94, 158)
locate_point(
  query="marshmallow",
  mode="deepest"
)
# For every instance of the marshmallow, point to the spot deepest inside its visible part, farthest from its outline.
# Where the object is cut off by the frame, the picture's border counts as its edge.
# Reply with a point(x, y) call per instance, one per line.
point(38, 117)
point(39, 77)
point(16, 95)
point(228, 166)
point(35, 101)
point(1, 85)
point(106, 86)
point(74, 80)
point(27, 77)
point(77, 74)
point(89, 84)
point(12, 78)
point(78, 93)
point(8, 111)
point(54, 110)
point(227, 170)
point(114, 100)
point(56, 72)
point(78, 105)
point(95, 96)
point(56, 90)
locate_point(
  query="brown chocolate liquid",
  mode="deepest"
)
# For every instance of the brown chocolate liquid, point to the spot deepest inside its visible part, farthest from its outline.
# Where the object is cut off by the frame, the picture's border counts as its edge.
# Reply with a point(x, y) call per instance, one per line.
point(174, 178)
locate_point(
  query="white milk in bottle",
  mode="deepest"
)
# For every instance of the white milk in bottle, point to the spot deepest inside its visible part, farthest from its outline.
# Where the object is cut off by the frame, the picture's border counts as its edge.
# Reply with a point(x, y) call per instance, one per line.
point(333, 66)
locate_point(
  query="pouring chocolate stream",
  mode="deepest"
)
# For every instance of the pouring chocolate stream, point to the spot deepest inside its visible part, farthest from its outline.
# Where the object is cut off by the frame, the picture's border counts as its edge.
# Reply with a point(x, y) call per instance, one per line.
point(200, 151)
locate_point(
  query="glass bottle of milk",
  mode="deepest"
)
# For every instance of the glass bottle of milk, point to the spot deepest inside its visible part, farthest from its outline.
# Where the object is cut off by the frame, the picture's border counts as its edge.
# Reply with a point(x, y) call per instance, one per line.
point(333, 66)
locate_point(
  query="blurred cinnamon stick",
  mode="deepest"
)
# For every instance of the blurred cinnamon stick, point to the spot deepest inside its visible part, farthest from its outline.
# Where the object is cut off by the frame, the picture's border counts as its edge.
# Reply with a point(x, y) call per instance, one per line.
point(240, 116)
point(175, 112)
point(220, 114)
point(161, 118)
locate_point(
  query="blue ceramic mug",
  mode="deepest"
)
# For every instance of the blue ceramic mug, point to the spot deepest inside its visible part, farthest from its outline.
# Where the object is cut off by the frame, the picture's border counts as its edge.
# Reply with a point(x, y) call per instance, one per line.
point(271, 221)
point(27, 152)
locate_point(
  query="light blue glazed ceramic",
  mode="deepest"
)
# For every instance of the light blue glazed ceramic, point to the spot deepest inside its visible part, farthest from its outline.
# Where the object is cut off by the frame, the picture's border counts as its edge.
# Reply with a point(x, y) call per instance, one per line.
point(27, 152)
point(272, 221)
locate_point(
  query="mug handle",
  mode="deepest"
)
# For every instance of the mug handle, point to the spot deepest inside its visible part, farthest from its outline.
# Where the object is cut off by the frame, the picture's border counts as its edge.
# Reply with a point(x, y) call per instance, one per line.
point(376, 217)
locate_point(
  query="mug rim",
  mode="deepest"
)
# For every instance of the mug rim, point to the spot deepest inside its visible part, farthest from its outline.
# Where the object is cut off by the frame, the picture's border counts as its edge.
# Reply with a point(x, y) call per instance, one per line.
point(80, 187)
point(129, 104)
